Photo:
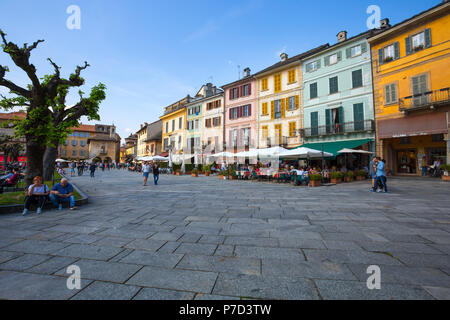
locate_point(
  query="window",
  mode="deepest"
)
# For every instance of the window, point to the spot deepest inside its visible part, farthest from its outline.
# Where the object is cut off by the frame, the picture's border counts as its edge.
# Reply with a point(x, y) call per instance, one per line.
point(277, 109)
point(74, 153)
point(74, 143)
point(418, 41)
point(291, 103)
point(291, 76)
point(333, 59)
point(334, 88)
point(390, 94)
point(167, 127)
point(180, 123)
point(82, 153)
point(64, 153)
point(234, 138)
point(196, 124)
point(208, 123)
point(292, 129)
point(313, 90)
point(277, 82)
point(312, 66)
point(234, 113)
point(389, 53)
point(87, 135)
point(357, 78)
point(264, 84)
point(173, 125)
point(334, 120)
point(355, 51)
point(437, 137)
point(245, 137)
point(265, 110)
point(66, 142)
point(216, 122)
point(246, 90)
point(245, 111)
point(419, 86)
point(76, 134)
point(82, 143)
point(405, 140)
point(265, 132)
point(234, 93)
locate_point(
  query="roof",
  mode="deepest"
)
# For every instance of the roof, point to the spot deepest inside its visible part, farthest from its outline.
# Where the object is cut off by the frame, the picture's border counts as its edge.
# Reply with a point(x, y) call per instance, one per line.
point(103, 137)
point(202, 99)
point(293, 59)
point(383, 32)
point(245, 79)
point(180, 104)
point(13, 115)
point(84, 128)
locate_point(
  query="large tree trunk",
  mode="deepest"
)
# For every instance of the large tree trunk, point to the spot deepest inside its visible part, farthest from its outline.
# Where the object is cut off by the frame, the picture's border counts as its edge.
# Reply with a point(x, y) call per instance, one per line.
point(35, 155)
point(51, 153)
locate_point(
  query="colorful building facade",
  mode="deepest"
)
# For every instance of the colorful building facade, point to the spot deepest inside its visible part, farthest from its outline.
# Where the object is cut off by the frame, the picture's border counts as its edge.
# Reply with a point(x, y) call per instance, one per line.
point(279, 116)
point(240, 113)
point(411, 70)
point(338, 96)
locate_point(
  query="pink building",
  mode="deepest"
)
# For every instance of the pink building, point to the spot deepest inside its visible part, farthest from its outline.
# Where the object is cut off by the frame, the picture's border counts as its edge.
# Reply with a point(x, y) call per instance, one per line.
point(240, 114)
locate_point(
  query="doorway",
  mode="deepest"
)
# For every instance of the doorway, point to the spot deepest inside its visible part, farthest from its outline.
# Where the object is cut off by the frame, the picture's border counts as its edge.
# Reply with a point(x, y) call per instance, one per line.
point(407, 161)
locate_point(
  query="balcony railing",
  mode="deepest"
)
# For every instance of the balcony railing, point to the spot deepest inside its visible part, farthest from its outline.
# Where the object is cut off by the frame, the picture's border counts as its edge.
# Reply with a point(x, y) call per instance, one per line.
point(342, 128)
point(425, 100)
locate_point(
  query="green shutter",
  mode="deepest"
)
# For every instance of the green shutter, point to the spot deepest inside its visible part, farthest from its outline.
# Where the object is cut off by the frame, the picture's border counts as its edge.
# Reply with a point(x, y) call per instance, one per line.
point(397, 50)
point(313, 90)
point(326, 61)
point(357, 78)
point(318, 64)
point(328, 119)
point(339, 56)
point(341, 115)
point(408, 45)
point(308, 67)
point(380, 56)
point(314, 123)
point(363, 47)
point(427, 38)
point(358, 116)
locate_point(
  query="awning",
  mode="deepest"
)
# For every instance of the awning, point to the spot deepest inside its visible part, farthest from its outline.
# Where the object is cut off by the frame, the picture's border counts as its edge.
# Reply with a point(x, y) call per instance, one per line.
point(334, 147)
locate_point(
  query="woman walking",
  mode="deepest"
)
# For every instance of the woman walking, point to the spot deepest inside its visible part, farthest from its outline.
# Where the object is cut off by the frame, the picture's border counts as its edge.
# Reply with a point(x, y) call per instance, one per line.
point(146, 172)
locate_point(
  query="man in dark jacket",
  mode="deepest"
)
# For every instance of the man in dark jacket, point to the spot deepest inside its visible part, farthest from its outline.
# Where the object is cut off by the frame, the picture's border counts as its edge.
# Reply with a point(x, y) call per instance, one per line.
point(155, 173)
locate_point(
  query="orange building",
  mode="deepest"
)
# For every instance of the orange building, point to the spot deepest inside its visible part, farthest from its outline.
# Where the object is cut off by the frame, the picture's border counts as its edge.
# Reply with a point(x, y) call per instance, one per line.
point(411, 79)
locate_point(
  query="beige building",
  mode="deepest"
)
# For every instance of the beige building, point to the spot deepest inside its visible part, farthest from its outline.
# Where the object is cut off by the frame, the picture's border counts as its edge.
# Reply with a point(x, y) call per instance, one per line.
point(104, 146)
point(149, 138)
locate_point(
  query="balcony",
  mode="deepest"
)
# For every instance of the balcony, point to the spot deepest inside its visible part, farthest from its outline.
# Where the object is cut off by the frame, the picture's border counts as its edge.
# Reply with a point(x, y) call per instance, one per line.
point(427, 100)
point(275, 141)
point(342, 128)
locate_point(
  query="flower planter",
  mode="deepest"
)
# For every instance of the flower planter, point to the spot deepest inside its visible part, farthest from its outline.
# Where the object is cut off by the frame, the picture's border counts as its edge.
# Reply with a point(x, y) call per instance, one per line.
point(207, 174)
point(178, 173)
point(231, 177)
point(445, 178)
point(220, 177)
point(336, 181)
point(360, 178)
point(194, 175)
point(348, 179)
point(315, 183)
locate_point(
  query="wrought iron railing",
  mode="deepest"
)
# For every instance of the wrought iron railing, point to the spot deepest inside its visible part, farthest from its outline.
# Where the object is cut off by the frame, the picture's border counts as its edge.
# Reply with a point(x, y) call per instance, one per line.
point(339, 128)
point(426, 99)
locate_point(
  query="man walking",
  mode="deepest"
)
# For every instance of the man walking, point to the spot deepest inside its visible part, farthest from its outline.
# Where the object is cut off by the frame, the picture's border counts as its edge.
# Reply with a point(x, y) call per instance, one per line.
point(155, 173)
point(381, 175)
point(92, 168)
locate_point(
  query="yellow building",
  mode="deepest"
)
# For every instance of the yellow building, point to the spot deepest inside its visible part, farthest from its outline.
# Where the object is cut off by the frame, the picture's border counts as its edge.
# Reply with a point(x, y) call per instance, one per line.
point(173, 127)
point(76, 147)
point(149, 139)
point(279, 97)
point(411, 74)
point(131, 147)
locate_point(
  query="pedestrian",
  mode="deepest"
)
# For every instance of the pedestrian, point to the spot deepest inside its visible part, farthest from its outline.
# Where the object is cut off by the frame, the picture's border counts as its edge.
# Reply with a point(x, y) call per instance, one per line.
point(155, 173)
point(92, 168)
point(146, 171)
point(373, 171)
point(424, 166)
point(381, 175)
point(62, 192)
point(38, 193)
point(72, 169)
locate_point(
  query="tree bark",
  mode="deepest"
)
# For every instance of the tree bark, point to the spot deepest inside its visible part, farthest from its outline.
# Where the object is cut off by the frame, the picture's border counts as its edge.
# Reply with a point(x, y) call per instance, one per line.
point(51, 153)
point(35, 155)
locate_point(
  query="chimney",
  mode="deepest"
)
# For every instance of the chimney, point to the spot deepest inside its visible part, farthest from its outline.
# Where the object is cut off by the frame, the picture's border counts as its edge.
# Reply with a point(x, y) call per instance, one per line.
point(342, 36)
point(246, 72)
point(384, 24)
point(283, 56)
point(209, 89)
point(142, 125)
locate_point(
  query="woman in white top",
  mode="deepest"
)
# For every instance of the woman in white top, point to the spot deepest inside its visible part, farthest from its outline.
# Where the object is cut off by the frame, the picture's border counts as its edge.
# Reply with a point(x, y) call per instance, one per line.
point(38, 193)
point(146, 171)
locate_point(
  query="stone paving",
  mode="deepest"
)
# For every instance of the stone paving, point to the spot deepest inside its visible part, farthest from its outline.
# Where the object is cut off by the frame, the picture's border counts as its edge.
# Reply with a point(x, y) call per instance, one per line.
point(205, 238)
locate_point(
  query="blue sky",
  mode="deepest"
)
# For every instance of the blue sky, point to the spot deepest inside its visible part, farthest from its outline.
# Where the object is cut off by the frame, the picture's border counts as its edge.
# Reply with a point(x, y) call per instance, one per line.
point(152, 53)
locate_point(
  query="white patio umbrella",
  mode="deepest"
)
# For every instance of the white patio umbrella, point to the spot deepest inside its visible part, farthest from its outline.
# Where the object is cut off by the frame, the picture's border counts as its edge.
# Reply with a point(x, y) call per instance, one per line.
point(61, 160)
point(271, 152)
point(247, 154)
point(303, 152)
point(159, 158)
point(346, 150)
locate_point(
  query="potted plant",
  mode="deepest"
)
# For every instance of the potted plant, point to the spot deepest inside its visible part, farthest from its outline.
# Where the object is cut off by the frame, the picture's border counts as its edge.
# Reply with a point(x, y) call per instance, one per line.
point(194, 172)
point(349, 176)
point(446, 175)
point(178, 172)
point(207, 170)
point(388, 59)
point(361, 175)
point(222, 174)
point(418, 48)
point(232, 174)
point(336, 177)
point(315, 180)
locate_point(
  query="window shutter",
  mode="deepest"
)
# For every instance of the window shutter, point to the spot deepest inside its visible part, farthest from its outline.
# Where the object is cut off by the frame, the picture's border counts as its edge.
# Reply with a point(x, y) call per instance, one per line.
point(380, 56)
point(272, 110)
point(287, 104)
point(249, 89)
point(339, 55)
point(220, 121)
point(231, 114)
point(249, 110)
point(318, 64)
point(327, 61)
point(328, 120)
point(348, 53)
point(393, 92)
point(363, 47)
point(427, 38)
point(397, 50)
point(387, 94)
point(283, 108)
point(297, 102)
point(341, 115)
point(231, 97)
point(308, 67)
point(240, 111)
point(408, 45)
